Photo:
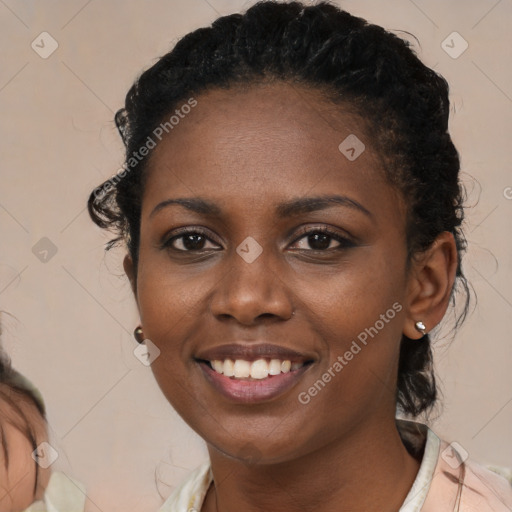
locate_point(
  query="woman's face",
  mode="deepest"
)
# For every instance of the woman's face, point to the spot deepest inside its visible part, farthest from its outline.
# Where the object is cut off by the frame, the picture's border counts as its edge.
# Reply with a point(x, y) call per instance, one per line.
point(259, 281)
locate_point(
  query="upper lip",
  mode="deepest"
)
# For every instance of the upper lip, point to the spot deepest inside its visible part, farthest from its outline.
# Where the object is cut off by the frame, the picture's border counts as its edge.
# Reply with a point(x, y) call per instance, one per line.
point(253, 352)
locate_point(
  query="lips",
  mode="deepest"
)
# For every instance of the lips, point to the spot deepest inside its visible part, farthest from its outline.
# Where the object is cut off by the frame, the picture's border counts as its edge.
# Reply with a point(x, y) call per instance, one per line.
point(253, 352)
point(253, 373)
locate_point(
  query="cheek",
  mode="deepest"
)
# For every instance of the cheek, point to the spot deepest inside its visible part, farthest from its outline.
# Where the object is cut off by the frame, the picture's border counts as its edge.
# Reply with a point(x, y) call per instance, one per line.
point(170, 299)
point(172, 312)
point(353, 297)
point(358, 315)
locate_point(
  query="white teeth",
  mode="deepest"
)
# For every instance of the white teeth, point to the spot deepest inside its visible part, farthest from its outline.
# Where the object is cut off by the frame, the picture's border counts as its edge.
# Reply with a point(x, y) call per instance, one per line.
point(285, 366)
point(274, 368)
point(242, 369)
point(218, 366)
point(260, 369)
point(229, 370)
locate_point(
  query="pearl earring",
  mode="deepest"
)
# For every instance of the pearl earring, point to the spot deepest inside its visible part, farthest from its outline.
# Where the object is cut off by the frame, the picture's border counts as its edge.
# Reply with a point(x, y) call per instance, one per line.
point(420, 326)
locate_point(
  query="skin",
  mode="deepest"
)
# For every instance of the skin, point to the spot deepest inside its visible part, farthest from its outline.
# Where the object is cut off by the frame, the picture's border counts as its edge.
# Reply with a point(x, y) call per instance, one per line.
point(18, 475)
point(248, 150)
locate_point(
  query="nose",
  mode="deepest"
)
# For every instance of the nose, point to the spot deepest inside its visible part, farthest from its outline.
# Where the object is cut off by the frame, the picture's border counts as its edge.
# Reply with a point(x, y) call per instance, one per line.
point(252, 292)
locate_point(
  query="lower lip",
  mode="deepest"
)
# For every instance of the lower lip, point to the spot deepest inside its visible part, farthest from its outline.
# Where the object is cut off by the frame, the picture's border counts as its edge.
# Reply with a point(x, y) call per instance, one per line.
point(252, 391)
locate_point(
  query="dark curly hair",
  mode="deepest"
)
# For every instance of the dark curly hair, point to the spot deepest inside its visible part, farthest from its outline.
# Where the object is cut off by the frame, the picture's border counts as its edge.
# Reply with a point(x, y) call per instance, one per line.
point(404, 106)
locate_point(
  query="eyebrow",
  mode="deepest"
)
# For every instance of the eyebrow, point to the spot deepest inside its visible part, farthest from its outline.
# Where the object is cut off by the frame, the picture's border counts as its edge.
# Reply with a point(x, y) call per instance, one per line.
point(311, 204)
point(283, 210)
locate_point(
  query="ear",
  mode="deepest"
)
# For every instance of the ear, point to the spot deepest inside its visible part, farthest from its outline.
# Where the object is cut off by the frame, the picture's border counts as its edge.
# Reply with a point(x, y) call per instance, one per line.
point(430, 285)
point(129, 268)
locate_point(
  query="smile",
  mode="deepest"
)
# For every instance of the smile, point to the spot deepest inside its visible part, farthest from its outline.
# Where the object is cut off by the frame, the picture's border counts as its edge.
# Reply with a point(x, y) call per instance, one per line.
point(255, 370)
point(250, 390)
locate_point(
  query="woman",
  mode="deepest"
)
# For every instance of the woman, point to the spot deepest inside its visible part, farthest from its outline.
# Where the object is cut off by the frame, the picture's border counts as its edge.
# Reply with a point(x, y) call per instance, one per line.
point(27, 482)
point(292, 213)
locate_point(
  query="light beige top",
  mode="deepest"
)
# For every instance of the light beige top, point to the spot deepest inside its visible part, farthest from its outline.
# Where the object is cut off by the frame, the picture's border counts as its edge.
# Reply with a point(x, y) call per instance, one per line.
point(63, 494)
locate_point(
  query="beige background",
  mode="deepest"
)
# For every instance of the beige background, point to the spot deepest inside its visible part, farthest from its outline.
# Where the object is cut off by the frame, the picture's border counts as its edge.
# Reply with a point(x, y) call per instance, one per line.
point(74, 314)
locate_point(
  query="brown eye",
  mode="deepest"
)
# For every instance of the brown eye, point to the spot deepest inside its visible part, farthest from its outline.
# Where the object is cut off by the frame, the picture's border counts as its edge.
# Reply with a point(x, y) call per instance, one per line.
point(189, 241)
point(319, 241)
point(321, 238)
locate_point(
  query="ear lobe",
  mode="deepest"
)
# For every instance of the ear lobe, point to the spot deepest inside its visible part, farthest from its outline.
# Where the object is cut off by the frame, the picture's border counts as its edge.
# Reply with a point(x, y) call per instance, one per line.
point(430, 286)
point(130, 272)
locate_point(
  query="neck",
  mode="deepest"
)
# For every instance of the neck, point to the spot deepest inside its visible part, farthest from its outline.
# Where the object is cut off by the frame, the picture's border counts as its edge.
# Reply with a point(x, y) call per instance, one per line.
point(369, 469)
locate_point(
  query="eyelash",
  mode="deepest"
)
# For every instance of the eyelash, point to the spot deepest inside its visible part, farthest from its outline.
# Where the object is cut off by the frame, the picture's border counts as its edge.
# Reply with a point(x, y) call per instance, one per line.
point(343, 241)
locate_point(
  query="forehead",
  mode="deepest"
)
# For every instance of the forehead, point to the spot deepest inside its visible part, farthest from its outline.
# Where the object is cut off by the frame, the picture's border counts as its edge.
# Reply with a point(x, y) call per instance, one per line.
point(266, 141)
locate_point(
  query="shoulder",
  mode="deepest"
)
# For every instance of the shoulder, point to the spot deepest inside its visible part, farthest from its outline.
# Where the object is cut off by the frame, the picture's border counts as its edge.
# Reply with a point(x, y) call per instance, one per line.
point(189, 495)
point(486, 489)
point(462, 484)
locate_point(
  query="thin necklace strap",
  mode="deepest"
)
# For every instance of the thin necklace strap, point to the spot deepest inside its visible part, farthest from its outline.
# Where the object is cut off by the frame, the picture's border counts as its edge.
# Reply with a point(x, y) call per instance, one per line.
point(462, 475)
